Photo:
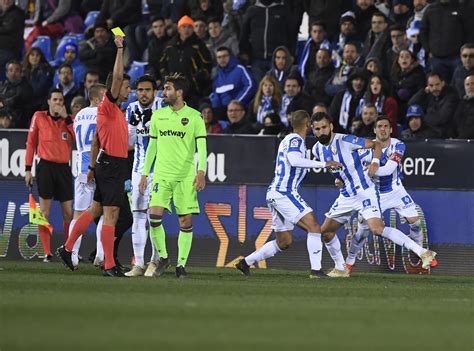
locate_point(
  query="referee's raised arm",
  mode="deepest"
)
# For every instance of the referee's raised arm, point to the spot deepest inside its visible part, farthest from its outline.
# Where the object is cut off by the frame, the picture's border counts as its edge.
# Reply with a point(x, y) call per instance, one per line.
point(117, 75)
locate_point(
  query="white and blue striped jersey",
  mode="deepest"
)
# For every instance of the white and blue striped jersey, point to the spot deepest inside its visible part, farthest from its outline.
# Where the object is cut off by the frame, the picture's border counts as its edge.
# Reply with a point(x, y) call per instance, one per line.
point(394, 152)
point(138, 135)
point(287, 178)
point(84, 126)
point(344, 149)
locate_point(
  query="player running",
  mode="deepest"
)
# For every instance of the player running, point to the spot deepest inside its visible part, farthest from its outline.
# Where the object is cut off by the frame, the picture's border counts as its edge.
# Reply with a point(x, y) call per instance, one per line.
point(392, 192)
point(176, 131)
point(359, 192)
point(139, 117)
point(287, 206)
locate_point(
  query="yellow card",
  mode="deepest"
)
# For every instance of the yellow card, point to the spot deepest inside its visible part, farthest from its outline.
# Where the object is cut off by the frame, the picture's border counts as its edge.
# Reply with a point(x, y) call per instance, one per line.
point(118, 32)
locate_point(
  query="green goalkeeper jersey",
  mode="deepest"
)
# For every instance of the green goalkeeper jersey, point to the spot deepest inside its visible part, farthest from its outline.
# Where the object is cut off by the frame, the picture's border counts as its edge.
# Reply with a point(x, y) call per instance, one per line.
point(176, 133)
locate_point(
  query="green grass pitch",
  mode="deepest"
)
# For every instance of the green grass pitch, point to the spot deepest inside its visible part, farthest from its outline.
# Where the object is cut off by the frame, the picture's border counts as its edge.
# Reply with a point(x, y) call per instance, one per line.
point(46, 307)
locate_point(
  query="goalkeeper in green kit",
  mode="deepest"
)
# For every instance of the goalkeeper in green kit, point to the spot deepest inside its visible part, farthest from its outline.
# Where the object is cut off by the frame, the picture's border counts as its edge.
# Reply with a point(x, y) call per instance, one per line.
point(175, 133)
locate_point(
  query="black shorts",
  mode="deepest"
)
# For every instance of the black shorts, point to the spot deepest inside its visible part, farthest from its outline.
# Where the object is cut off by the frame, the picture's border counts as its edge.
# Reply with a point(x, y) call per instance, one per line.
point(110, 175)
point(54, 181)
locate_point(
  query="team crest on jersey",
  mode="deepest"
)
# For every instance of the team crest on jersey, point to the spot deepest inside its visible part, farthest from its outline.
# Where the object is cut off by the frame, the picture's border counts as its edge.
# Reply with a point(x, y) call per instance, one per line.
point(184, 121)
point(294, 143)
point(64, 135)
point(334, 150)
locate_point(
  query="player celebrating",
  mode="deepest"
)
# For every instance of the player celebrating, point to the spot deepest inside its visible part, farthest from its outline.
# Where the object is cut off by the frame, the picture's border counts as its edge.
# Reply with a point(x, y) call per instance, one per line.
point(359, 192)
point(286, 205)
point(392, 193)
point(84, 127)
point(175, 133)
point(139, 116)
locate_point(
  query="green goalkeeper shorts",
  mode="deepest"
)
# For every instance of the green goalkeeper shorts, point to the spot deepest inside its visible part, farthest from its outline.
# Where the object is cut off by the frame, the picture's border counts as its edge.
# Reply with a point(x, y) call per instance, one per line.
point(183, 193)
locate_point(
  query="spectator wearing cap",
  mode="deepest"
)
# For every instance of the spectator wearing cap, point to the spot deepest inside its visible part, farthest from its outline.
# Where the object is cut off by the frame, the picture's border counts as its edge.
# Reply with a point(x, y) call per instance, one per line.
point(12, 25)
point(282, 65)
point(401, 12)
point(464, 117)
point(327, 11)
point(219, 36)
point(417, 129)
point(67, 85)
point(440, 101)
point(266, 25)
point(98, 53)
point(318, 39)
point(207, 9)
point(465, 69)
point(442, 34)
point(347, 34)
point(157, 40)
point(71, 57)
point(187, 54)
point(238, 124)
point(210, 119)
point(294, 98)
point(364, 9)
point(399, 41)
point(345, 105)
point(377, 41)
point(316, 81)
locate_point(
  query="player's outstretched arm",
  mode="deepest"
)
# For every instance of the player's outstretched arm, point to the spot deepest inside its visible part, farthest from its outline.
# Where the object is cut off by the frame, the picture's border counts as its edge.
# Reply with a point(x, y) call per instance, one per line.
point(117, 74)
point(297, 160)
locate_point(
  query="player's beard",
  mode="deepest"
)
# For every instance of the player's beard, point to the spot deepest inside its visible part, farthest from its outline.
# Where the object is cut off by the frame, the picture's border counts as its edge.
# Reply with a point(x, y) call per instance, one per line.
point(324, 139)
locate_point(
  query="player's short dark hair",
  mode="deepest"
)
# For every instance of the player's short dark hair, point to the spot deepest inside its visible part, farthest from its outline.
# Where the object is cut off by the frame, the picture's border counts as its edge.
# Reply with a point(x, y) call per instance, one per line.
point(65, 65)
point(146, 78)
point(179, 82)
point(299, 118)
point(383, 118)
point(54, 90)
point(94, 91)
point(110, 78)
point(319, 116)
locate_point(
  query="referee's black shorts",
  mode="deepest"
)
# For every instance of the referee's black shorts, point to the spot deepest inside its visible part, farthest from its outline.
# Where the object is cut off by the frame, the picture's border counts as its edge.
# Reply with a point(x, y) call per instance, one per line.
point(110, 175)
point(54, 181)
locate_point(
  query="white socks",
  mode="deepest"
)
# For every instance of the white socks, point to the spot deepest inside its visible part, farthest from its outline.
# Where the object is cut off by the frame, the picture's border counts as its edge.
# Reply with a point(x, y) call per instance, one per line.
point(357, 242)
point(315, 250)
point(334, 249)
point(415, 232)
point(139, 235)
point(266, 251)
point(155, 255)
point(100, 250)
point(402, 240)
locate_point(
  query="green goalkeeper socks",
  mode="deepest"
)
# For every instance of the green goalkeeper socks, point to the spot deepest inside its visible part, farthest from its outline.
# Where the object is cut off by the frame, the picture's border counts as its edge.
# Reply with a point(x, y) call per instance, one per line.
point(185, 240)
point(158, 235)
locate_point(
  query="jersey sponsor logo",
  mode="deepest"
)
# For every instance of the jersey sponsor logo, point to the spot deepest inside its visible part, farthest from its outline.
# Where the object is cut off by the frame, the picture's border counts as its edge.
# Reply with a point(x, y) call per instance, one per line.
point(184, 121)
point(366, 203)
point(143, 131)
point(173, 133)
point(407, 200)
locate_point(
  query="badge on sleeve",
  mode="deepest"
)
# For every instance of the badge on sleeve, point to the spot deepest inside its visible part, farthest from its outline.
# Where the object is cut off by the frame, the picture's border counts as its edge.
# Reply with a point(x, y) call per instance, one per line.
point(64, 136)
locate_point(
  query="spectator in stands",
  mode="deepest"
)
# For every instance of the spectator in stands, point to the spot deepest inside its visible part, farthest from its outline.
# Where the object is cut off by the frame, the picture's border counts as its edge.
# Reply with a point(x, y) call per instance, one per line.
point(266, 25)
point(316, 81)
point(415, 46)
point(440, 101)
point(12, 25)
point(17, 95)
point(378, 93)
point(351, 59)
point(373, 66)
point(71, 57)
point(207, 9)
point(6, 119)
point(66, 85)
point(272, 126)
point(318, 39)
point(187, 54)
point(419, 7)
point(399, 42)
point(407, 78)
point(219, 36)
point(294, 98)
point(210, 119)
point(462, 71)
point(442, 35)
point(364, 10)
point(377, 41)
point(77, 104)
point(328, 12)
point(91, 78)
point(365, 128)
point(39, 75)
point(347, 33)
point(267, 100)
point(232, 81)
point(238, 123)
point(319, 107)
point(345, 105)
point(98, 53)
point(464, 117)
point(200, 28)
point(401, 12)
point(173, 10)
point(417, 129)
point(282, 65)
point(157, 41)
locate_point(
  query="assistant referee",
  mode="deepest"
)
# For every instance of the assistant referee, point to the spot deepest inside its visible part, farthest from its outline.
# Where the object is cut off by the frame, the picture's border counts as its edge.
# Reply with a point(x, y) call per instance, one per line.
point(110, 170)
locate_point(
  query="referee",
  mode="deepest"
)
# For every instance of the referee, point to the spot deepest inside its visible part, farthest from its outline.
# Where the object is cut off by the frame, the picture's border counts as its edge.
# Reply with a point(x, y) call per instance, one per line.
point(50, 134)
point(111, 168)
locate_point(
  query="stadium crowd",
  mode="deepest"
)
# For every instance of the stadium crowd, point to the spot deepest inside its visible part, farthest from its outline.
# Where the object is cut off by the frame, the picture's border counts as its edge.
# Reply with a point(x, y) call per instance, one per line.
point(411, 60)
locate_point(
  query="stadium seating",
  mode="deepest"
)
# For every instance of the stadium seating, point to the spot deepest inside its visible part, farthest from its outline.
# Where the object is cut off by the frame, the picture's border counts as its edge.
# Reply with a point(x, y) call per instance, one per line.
point(91, 18)
point(136, 70)
point(44, 43)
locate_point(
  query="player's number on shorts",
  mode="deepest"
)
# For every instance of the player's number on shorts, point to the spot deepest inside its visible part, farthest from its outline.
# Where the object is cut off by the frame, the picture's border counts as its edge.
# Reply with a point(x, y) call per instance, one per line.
point(281, 163)
point(155, 187)
point(86, 138)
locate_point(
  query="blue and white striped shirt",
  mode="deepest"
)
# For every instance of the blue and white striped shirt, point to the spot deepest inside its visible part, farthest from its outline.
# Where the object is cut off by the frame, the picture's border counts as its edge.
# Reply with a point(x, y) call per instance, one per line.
point(84, 126)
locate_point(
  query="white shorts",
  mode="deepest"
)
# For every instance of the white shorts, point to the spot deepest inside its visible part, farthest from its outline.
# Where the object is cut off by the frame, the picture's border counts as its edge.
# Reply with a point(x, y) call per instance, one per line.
point(140, 201)
point(365, 202)
point(286, 209)
point(83, 193)
point(400, 201)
